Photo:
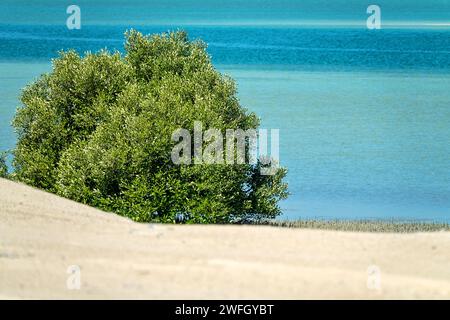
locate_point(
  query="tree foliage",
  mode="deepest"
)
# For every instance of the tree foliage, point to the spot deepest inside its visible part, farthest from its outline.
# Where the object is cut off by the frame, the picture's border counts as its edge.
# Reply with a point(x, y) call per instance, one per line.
point(3, 166)
point(97, 129)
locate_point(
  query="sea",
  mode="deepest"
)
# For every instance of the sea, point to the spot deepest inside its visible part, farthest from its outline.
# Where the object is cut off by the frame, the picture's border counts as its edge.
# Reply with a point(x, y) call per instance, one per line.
point(363, 114)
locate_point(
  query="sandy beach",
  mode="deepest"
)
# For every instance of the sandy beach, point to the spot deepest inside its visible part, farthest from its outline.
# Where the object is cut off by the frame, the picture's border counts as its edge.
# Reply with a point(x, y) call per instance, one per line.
point(42, 236)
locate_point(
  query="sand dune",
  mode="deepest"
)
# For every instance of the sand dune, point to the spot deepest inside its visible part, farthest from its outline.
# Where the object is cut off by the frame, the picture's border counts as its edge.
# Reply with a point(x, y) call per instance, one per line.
point(42, 235)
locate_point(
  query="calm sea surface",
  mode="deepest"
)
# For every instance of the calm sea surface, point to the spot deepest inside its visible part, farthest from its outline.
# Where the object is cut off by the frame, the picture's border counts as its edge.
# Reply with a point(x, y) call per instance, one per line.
point(364, 116)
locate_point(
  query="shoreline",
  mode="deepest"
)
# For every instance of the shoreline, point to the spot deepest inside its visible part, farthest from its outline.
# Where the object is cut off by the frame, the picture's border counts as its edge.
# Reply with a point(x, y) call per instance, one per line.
point(361, 225)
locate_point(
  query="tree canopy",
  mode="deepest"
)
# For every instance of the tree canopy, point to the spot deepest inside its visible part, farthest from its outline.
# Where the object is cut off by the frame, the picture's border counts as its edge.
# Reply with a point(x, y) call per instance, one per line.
point(97, 129)
point(3, 166)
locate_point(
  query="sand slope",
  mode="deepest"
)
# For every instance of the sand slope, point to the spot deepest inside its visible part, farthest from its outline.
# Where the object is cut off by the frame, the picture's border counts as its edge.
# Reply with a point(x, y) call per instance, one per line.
point(41, 235)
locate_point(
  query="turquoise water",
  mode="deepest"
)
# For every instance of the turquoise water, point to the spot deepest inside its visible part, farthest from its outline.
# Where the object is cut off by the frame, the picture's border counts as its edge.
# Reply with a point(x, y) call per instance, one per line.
point(364, 116)
point(225, 12)
point(358, 144)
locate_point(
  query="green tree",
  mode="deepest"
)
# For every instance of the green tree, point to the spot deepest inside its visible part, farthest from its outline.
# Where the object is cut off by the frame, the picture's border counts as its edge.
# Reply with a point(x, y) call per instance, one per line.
point(3, 166)
point(98, 129)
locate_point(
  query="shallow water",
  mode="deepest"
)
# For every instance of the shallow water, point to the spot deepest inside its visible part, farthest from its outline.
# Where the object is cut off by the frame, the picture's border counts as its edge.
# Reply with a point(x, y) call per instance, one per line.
point(358, 144)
